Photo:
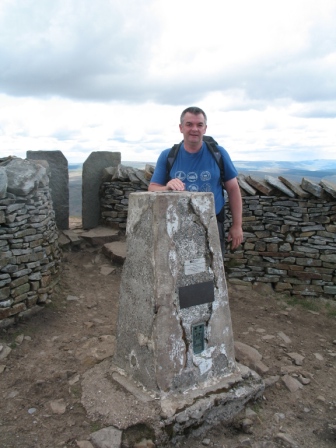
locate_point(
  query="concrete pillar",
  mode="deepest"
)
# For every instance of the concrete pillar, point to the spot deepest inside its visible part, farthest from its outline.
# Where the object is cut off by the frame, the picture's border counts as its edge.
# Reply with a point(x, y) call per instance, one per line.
point(92, 177)
point(173, 294)
point(59, 183)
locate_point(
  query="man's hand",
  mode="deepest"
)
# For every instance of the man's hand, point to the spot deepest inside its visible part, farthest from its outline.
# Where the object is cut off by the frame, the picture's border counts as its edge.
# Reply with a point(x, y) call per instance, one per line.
point(172, 185)
point(235, 236)
point(176, 185)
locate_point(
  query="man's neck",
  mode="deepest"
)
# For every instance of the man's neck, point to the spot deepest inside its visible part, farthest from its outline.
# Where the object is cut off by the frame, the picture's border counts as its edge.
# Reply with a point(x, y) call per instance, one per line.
point(192, 148)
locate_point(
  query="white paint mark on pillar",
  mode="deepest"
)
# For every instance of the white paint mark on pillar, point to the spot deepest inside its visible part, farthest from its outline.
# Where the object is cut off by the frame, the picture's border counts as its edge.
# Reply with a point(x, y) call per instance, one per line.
point(204, 360)
point(172, 221)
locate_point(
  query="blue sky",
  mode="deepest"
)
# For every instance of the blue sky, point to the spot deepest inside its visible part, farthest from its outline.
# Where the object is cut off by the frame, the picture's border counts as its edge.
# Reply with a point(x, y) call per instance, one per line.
point(82, 76)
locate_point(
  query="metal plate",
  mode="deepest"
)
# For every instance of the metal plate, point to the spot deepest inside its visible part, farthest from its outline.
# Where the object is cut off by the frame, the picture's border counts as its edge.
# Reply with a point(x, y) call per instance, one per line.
point(198, 338)
point(196, 294)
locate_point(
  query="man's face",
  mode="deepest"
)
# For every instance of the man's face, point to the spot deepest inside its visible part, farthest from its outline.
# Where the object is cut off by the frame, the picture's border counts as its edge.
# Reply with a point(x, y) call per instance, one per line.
point(193, 128)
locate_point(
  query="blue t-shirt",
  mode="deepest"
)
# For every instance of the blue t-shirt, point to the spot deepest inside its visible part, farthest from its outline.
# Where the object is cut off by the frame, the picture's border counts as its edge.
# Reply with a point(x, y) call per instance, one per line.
point(199, 172)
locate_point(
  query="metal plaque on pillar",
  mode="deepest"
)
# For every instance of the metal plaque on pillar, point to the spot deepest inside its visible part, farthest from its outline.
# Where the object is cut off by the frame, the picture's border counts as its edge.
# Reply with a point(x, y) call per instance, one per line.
point(198, 338)
point(196, 294)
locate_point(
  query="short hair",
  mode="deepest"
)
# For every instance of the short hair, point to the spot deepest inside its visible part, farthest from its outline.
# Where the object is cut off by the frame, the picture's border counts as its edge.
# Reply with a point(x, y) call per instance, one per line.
point(193, 110)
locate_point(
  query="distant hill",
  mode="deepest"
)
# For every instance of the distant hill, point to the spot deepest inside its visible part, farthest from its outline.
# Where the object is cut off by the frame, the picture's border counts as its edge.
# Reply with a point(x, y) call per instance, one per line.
point(317, 169)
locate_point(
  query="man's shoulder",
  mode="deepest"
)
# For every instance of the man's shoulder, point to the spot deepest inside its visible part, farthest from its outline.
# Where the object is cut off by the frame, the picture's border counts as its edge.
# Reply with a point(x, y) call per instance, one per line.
point(165, 153)
point(222, 150)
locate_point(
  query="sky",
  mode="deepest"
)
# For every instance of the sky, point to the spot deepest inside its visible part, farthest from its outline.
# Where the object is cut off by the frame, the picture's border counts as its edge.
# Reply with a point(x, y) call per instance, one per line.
point(114, 75)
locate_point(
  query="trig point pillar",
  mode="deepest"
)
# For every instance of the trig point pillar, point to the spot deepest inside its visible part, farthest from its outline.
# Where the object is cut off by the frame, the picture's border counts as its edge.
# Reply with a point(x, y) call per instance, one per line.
point(174, 345)
point(174, 334)
point(174, 327)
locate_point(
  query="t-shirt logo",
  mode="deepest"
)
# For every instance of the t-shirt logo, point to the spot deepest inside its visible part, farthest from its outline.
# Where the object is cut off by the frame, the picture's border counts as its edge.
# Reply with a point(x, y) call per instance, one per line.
point(192, 176)
point(180, 175)
point(206, 187)
point(193, 187)
point(205, 176)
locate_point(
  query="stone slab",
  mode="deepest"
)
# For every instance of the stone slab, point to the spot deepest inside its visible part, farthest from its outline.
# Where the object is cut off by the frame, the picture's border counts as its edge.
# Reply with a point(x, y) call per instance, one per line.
point(260, 185)
point(312, 187)
point(245, 185)
point(92, 176)
point(329, 187)
point(59, 183)
point(109, 395)
point(115, 251)
point(295, 187)
point(274, 182)
point(100, 235)
point(107, 438)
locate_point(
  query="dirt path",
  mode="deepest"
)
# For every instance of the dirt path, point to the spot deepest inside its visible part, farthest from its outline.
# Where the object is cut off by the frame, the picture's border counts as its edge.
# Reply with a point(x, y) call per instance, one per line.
point(40, 379)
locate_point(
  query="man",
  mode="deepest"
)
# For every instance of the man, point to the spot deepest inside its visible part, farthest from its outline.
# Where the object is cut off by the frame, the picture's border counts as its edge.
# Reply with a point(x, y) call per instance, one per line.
point(195, 169)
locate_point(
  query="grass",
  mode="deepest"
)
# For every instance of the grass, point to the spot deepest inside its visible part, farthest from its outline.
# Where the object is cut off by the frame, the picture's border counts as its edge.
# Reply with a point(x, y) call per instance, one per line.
point(331, 309)
point(95, 426)
point(76, 391)
point(307, 304)
point(317, 305)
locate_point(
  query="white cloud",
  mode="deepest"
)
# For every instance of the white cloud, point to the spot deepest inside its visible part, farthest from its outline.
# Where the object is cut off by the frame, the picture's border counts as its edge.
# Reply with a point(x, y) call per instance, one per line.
point(79, 76)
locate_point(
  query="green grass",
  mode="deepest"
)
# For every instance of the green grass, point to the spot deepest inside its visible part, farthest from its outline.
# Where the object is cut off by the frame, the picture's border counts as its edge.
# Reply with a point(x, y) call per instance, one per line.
point(331, 309)
point(76, 391)
point(307, 304)
point(95, 426)
point(327, 307)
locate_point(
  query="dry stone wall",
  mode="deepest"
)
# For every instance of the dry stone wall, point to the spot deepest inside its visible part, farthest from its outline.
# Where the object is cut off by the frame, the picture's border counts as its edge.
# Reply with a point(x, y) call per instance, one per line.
point(118, 183)
point(29, 251)
point(289, 230)
point(289, 244)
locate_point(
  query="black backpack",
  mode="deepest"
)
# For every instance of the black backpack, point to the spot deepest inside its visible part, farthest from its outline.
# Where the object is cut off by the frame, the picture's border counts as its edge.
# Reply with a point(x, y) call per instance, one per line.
point(211, 144)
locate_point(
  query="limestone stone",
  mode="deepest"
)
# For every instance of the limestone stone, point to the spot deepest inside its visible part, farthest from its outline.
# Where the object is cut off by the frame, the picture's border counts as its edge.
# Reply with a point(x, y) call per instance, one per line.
point(297, 358)
point(149, 170)
point(115, 251)
point(329, 187)
point(279, 185)
point(84, 444)
point(92, 174)
point(295, 187)
point(284, 337)
point(250, 357)
point(287, 439)
point(59, 183)
point(121, 173)
point(3, 184)
point(72, 236)
point(292, 384)
point(100, 235)
point(141, 177)
point(260, 185)
point(23, 175)
point(245, 185)
point(108, 173)
point(312, 187)
point(109, 437)
point(58, 406)
point(4, 351)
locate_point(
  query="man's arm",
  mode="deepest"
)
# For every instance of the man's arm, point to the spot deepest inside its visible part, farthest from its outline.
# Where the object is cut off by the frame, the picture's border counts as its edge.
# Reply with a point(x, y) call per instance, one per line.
point(173, 184)
point(236, 206)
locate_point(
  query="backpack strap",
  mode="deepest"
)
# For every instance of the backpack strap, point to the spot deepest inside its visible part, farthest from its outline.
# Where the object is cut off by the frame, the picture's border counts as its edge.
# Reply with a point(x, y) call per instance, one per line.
point(211, 144)
point(171, 159)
